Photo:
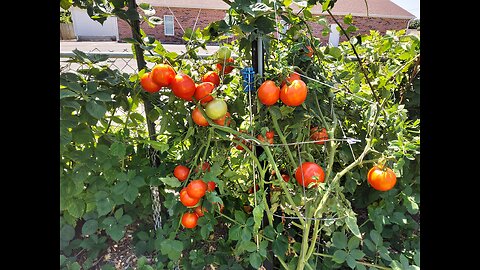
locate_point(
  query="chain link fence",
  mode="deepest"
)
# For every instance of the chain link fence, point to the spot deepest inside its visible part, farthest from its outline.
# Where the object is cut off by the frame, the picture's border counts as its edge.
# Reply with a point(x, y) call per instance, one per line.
point(123, 61)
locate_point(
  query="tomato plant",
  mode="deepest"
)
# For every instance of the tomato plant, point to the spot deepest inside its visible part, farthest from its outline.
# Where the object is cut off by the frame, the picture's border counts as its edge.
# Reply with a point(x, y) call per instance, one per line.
point(120, 145)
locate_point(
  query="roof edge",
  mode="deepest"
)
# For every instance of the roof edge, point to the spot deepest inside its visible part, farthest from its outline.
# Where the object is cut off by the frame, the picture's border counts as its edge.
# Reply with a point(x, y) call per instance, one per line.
point(373, 15)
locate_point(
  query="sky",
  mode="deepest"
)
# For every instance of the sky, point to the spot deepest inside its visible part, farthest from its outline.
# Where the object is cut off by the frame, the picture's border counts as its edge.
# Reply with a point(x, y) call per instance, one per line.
point(412, 6)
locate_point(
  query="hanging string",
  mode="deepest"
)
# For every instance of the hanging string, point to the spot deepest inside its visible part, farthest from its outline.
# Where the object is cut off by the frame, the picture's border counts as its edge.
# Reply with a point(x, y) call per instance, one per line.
point(345, 139)
point(306, 218)
point(345, 136)
point(334, 87)
point(175, 17)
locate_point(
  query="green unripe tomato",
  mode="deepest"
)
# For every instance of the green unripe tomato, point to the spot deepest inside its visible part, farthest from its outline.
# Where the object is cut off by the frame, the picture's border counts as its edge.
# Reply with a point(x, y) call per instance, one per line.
point(223, 53)
point(216, 109)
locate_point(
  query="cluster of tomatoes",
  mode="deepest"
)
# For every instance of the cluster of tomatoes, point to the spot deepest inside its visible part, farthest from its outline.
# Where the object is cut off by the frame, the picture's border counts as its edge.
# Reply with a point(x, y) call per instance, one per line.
point(184, 87)
point(292, 92)
point(191, 195)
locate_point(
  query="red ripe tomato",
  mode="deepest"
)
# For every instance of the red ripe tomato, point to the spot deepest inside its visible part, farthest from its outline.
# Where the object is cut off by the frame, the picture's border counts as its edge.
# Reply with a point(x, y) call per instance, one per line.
point(212, 77)
point(228, 66)
point(200, 211)
point(294, 94)
point(270, 134)
point(163, 74)
point(310, 51)
point(291, 78)
point(203, 91)
point(268, 93)
point(189, 220)
point(186, 199)
point(221, 121)
point(147, 83)
point(197, 188)
point(318, 135)
point(181, 172)
point(198, 118)
point(257, 187)
point(205, 167)
point(312, 173)
point(381, 179)
point(211, 186)
point(286, 177)
point(183, 87)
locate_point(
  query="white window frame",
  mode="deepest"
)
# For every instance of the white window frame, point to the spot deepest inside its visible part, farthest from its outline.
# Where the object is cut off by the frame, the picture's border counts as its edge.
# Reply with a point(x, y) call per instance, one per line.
point(165, 25)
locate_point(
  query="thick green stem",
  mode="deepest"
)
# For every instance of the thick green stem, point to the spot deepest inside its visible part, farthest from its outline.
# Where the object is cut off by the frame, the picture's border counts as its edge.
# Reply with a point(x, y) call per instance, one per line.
point(302, 259)
point(316, 230)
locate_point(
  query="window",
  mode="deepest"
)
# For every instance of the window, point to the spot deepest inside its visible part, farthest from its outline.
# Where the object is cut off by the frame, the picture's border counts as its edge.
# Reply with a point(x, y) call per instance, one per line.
point(168, 25)
point(334, 35)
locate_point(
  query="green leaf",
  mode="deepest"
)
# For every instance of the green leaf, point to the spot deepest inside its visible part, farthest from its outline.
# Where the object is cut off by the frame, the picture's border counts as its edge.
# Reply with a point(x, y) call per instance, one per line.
point(104, 206)
point(357, 254)
point(172, 248)
point(246, 234)
point(118, 214)
point(75, 266)
point(348, 19)
point(108, 267)
point(410, 204)
point(339, 256)
point(131, 193)
point(67, 233)
point(170, 181)
point(249, 246)
point(234, 232)
point(67, 93)
point(352, 225)
point(335, 52)
point(255, 260)
point(120, 187)
point(240, 216)
point(62, 259)
point(275, 111)
point(384, 254)
point(351, 261)
point(116, 232)
point(395, 265)
point(280, 245)
point(65, 4)
point(76, 207)
point(339, 240)
point(90, 227)
point(159, 146)
point(190, 132)
point(325, 5)
point(138, 181)
point(376, 237)
point(258, 216)
point(269, 232)
point(353, 243)
point(95, 109)
point(118, 149)
point(369, 244)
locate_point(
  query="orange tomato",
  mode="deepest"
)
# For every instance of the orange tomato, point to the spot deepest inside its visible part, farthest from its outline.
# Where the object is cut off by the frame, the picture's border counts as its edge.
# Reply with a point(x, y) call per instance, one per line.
point(189, 220)
point(198, 118)
point(212, 77)
point(203, 91)
point(381, 179)
point(197, 188)
point(147, 83)
point(181, 172)
point(183, 87)
point(294, 94)
point(186, 199)
point(268, 93)
point(163, 74)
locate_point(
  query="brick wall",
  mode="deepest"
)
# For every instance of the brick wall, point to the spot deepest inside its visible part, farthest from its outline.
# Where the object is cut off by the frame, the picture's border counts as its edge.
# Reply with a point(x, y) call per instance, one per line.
point(364, 25)
point(187, 19)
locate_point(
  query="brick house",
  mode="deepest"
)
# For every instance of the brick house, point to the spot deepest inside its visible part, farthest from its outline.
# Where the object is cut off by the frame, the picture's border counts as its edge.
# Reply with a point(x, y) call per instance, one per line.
point(383, 15)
